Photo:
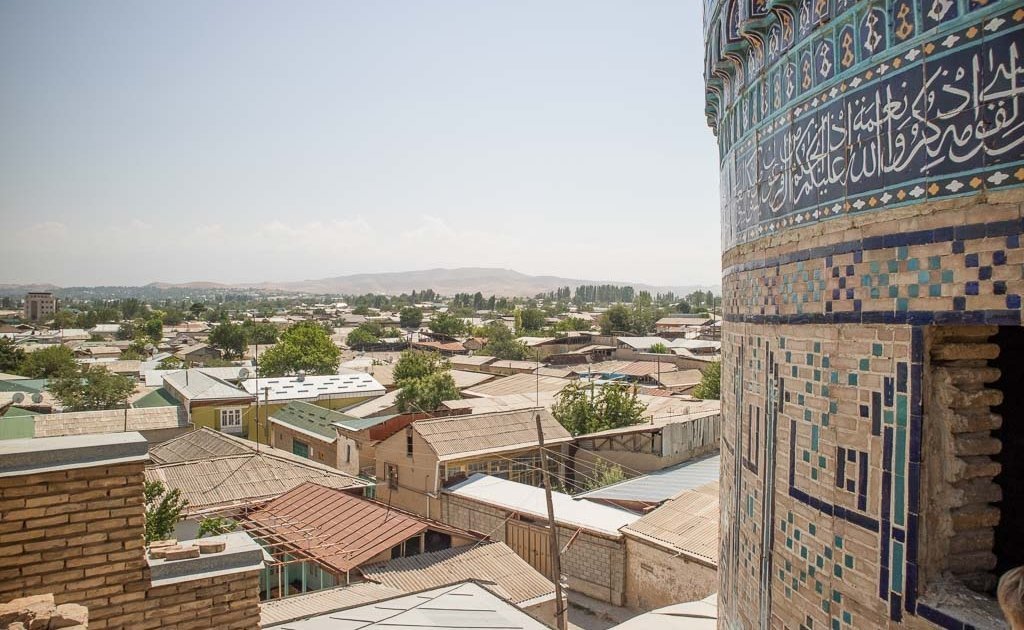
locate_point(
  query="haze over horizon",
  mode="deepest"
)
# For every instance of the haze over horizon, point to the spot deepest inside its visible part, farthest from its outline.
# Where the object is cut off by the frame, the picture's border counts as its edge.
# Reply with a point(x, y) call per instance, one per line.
point(242, 142)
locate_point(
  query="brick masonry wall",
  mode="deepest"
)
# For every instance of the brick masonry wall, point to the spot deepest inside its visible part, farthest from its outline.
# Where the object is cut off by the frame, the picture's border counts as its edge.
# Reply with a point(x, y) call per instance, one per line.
point(594, 565)
point(78, 534)
point(656, 577)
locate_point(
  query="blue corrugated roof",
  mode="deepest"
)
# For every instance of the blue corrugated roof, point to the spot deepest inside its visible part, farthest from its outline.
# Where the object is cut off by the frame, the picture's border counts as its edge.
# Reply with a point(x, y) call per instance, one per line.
point(663, 484)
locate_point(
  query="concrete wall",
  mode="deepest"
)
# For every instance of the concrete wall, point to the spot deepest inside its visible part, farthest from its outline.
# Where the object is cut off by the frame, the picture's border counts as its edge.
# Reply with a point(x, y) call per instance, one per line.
point(657, 577)
point(282, 436)
point(594, 565)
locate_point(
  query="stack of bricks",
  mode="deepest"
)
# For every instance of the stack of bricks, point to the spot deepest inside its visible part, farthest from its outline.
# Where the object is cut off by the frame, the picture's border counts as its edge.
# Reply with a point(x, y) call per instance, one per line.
point(961, 407)
point(39, 612)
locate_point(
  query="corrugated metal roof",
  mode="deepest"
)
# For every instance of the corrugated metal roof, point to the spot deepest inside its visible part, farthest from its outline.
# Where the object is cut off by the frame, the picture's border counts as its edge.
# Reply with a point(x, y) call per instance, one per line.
point(523, 499)
point(333, 528)
point(699, 615)
point(356, 384)
point(466, 606)
point(507, 402)
point(159, 397)
point(494, 562)
point(680, 378)
point(518, 384)
point(245, 479)
point(202, 443)
point(458, 437)
point(374, 407)
point(663, 484)
point(476, 360)
point(278, 611)
point(464, 379)
point(310, 417)
point(110, 421)
point(626, 368)
point(197, 385)
point(686, 524)
point(642, 343)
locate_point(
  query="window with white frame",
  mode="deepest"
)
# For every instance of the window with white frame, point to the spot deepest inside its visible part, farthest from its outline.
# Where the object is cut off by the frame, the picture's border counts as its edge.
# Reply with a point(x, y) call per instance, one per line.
point(231, 420)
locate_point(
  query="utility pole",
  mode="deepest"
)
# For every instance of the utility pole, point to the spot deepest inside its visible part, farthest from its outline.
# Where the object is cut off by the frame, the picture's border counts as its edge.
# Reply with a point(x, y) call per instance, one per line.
point(556, 564)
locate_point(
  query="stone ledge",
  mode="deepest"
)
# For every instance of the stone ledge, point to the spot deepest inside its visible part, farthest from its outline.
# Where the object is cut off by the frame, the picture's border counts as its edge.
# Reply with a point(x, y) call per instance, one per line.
point(39, 455)
point(241, 554)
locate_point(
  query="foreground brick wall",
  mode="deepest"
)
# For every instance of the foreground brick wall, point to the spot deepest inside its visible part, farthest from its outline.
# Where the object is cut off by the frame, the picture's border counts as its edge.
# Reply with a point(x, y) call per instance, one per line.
point(78, 534)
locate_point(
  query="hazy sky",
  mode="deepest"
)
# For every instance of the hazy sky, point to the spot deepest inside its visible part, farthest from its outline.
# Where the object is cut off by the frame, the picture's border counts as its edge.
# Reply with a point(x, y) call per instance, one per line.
point(242, 140)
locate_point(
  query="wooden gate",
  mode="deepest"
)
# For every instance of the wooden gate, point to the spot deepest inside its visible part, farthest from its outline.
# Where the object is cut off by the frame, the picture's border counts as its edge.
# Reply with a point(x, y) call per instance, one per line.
point(532, 543)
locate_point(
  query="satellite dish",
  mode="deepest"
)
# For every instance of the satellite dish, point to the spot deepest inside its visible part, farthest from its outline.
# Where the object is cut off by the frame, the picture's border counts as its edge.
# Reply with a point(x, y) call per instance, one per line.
point(17, 398)
point(243, 373)
point(37, 398)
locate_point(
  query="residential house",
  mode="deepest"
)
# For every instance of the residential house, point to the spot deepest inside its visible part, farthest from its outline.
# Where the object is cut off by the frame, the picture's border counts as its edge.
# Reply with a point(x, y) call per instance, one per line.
point(473, 363)
point(594, 550)
point(320, 537)
point(590, 353)
point(674, 431)
point(198, 353)
point(679, 325)
point(414, 464)
point(213, 402)
point(156, 424)
point(106, 331)
point(517, 384)
point(308, 430)
point(672, 551)
point(223, 475)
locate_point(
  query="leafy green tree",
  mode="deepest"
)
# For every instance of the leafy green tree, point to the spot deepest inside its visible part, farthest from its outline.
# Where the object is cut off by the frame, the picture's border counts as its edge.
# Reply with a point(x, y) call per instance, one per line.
point(154, 329)
point(603, 474)
point(683, 307)
point(570, 324)
point(501, 343)
point(11, 357)
point(171, 363)
point(131, 307)
point(91, 388)
point(64, 319)
point(447, 324)
point(49, 362)
point(126, 331)
point(532, 319)
point(137, 351)
point(196, 310)
point(659, 348)
point(173, 316)
point(583, 408)
point(216, 526)
point(262, 333)
point(414, 364)
point(427, 393)
point(229, 338)
point(615, 319)
point(361, 337)
point(306, 347)
point(710, 386)
point(410, 317)
point(163, 510)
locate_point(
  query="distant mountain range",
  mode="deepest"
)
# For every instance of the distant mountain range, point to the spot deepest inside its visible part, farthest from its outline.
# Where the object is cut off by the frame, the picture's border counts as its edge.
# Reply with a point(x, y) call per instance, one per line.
point(501, 282)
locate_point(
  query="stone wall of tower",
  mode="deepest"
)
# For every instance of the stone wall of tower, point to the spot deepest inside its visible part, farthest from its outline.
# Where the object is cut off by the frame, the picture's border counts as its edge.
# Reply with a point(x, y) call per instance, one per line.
point(872, 177)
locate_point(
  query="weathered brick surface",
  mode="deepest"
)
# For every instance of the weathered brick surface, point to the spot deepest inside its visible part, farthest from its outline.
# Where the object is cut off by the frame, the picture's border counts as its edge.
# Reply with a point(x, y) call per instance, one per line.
point(77, 535)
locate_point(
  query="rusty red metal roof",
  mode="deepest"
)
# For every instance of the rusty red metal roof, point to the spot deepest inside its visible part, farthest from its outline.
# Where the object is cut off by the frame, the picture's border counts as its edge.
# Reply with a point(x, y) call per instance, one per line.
point(331, 527)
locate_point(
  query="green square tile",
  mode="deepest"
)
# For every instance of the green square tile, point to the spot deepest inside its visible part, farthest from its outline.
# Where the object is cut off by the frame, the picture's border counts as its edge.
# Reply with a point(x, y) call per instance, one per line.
point(875, 266)
point(934, 262)
point(883, 280)
point(935, 290)
point(865, 365)
point(913, 264)
point(893, 266)
point(924, 277)
point(913, 290)
point(876, 349)
point(894, 290)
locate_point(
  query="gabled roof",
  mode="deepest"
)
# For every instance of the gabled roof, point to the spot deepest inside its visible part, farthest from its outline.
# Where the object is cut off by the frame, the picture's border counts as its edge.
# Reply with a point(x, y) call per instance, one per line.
point(686, 524)
point(311, 418)
point(663, 484)
point(517, 497)
point(518, 384)
point(460, 437)
point(626, 368)
point(354, 385)
point(513, 578)
point(374, 407)
point(110, 421)
point(468, 606)
point(202, 443)
point(198, 385)
point(239, 475)
point(334, 528)
point(642, 343)
point(276, 611)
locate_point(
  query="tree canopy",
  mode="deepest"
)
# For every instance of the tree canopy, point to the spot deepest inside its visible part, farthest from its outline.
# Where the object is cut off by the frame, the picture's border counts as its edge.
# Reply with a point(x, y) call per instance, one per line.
point(710, 386)
point(531, 319)
point(586, 408)
point(425, 381)
point(303, 347)
point(447, 324)
point(11, 357)
point(49, 362)
point(410, 317)
point(163, 510)
point(91, 388)
point(230, 338)
point(502, 344)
